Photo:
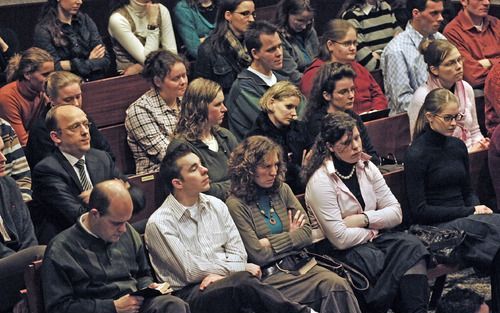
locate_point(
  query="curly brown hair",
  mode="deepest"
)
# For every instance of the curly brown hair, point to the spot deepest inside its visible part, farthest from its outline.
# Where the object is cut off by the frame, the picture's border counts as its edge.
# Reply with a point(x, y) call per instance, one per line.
point(243, 163)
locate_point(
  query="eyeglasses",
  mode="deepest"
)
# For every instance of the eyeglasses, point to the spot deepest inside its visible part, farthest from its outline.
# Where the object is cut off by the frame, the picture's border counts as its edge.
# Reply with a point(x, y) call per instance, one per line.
point(448, 118)
point(246, 14)
point(347, 44)
point(457, 61)
point(77, 126)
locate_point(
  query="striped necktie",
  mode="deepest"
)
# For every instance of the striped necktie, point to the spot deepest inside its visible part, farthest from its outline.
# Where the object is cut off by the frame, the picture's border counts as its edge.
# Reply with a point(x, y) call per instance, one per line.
point(83, 176)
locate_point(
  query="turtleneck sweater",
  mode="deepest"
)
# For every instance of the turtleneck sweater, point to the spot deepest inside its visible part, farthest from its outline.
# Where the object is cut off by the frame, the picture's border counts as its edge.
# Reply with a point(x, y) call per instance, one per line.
point(352, 183)
point(437, 179)
point(20, 105)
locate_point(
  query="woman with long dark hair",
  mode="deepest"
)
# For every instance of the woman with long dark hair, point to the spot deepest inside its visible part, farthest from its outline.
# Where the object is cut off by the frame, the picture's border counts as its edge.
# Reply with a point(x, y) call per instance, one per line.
point(202, 112)
point(222, 56)
point(72, 38)
point(339, 44)
point(295, 22)
point(439, 189)
point(138, 27)
point(355, 209)
point(274, 227)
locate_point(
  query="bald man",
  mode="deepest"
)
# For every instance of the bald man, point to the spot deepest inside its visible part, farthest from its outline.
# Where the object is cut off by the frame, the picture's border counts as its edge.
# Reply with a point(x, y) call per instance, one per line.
point(94, 265)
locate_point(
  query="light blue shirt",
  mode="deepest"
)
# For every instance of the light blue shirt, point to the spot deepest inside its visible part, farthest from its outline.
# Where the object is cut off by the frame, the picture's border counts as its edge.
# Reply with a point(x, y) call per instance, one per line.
point(404, 68)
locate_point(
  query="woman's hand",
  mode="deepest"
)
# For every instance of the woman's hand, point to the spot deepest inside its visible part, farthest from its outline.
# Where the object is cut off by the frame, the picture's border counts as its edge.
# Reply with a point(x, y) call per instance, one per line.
point(152, 11)
point(265, 243)
point(356, 220)
point(483, 144)
point(482, 209)
point(98, 52)
point(297, 221)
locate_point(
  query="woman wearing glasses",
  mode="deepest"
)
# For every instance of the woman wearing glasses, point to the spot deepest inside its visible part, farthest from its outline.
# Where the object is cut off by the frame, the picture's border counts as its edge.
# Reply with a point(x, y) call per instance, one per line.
point(338, 44)
point(446, 70)
point(222, 56)
point(439, 190)
point(294, 19)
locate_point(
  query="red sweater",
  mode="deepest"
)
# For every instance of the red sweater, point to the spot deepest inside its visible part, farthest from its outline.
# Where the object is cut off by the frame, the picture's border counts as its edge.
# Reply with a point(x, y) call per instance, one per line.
point(368, 95)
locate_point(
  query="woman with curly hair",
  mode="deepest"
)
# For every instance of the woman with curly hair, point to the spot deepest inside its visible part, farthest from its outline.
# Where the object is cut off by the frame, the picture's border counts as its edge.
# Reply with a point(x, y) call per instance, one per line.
point(138, 27)
point(275, 229)
point(202, 111)
point(72, 38)
point(334, 91)
point(295, 21)
point(223, 55)
point(356, 210)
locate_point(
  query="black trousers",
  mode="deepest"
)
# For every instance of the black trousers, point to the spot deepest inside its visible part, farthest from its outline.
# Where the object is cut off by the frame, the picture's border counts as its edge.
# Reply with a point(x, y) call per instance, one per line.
point(239, 292)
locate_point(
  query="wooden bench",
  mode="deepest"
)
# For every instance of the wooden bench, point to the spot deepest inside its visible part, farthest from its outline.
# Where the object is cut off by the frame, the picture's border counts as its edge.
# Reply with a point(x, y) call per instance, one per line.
point(32, 280)
point(117, 139)
point(106, 100)
point(153, 189)
point(390, 135)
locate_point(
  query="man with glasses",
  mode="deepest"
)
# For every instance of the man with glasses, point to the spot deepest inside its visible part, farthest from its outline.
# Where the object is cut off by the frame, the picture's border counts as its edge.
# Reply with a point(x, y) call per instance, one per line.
point(62, 182)
point(476, 35)
point(402, 64)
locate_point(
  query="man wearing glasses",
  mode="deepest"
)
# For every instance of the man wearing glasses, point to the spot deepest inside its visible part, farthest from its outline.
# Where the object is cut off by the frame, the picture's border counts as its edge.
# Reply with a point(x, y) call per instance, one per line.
point(62, 182)
point(401, 62)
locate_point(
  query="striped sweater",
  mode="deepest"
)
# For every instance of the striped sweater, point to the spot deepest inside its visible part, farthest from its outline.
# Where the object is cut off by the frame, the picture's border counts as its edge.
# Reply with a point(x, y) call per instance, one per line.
point(375, 30)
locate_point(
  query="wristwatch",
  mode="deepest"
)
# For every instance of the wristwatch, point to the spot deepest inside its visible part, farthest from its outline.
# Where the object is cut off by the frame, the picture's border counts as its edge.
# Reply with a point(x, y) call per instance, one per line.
point(366, 221)
point(152, 27)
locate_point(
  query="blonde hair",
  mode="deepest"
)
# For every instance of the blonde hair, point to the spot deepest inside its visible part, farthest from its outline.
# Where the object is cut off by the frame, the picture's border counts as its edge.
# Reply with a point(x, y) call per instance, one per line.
point(60, 79)
point(335, 30)
point(434, 103)
point(279, 91)
point(26, 62)
point(435, 51)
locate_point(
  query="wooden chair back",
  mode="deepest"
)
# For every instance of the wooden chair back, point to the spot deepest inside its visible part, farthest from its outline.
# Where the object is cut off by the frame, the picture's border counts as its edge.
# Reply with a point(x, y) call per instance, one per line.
point(33, 282)
point(390, 135)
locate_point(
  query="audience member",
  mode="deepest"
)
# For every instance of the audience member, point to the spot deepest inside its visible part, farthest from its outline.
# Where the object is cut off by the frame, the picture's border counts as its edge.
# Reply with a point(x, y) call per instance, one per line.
point(151, 119)
point(353, 206)
point(494, 163)
point(16, 165)
point(275, 229)
point(278, 121)
point(61, 87)
point(18, 244)
point(338, 44)
point(376, 25)
point(195, 246)
point(264, 45)
point(402, 64)
point(194, 20)
point(477, 36)
point(72, 38)
point(202, 111)
point(62, 182)
point(95, 265)
point(138, 27)
point(492, 99)
point(22, 100)
point(295, 21)
point(334, 91)
point(462, 300)
point(439, 190)
point(9, 44)
point(444, 64)
point(222, 56)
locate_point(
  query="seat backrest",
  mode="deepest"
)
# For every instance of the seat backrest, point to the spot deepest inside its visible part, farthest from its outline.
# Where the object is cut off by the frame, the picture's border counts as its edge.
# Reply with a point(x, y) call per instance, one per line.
point(106, 100)
point(32, 280)
point(390, 135)
point(379, 78)
point(117, 139)
point(154, 192)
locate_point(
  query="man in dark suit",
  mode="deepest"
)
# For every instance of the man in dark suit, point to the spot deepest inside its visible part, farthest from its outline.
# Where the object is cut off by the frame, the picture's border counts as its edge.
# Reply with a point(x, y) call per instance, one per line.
point(62, 182)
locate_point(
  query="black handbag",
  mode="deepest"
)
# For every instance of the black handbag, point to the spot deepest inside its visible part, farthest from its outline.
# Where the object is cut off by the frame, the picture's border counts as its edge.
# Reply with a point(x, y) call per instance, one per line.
point(442, 244)
point(356, 279)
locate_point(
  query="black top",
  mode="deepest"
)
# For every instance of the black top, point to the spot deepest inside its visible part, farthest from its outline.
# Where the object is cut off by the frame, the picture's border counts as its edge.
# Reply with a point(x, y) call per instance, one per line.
point(11, 40)
point(314, 127)
point(292, 139)
point(437, 179)
point(82, 37)
point(352, 183)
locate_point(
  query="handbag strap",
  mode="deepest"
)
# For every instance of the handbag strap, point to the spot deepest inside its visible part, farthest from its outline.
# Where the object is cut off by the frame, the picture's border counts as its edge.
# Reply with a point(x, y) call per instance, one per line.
point(335, 265)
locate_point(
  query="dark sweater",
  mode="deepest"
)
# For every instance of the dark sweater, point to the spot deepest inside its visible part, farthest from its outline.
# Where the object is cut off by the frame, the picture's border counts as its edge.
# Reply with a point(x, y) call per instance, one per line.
point(83, 273)
point(292, 139)
point(437, 179)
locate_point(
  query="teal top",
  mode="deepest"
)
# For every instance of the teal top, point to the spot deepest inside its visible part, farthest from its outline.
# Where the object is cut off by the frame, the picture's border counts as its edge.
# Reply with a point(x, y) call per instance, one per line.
point(266, 207)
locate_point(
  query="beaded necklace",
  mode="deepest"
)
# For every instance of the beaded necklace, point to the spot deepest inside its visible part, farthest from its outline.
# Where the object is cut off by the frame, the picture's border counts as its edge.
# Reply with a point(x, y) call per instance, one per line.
point(271, 218)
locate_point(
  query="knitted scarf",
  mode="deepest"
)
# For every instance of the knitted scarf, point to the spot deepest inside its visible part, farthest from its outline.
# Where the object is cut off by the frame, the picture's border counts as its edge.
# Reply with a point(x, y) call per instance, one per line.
point(244, 59)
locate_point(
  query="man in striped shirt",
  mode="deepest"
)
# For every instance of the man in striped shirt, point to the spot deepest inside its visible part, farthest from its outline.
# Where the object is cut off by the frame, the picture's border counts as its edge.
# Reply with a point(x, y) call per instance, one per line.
point(195, 246)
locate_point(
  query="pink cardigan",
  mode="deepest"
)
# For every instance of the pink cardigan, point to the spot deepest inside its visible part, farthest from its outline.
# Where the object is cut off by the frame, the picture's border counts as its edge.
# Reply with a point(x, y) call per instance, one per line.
point(330, 201)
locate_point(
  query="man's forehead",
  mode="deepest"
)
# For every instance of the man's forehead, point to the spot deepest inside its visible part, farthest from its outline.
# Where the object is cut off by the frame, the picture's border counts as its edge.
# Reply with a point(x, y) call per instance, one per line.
point(434, 5)
point(188, 160)
point(70, 113)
